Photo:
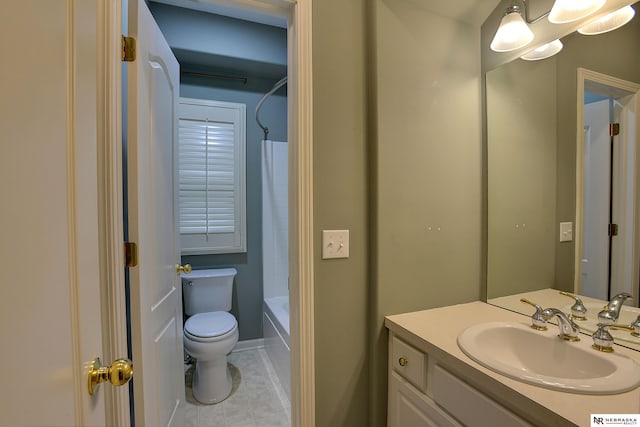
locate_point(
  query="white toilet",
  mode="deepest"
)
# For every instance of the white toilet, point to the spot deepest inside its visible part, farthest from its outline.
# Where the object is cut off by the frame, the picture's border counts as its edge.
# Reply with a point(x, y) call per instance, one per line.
point(211, 332)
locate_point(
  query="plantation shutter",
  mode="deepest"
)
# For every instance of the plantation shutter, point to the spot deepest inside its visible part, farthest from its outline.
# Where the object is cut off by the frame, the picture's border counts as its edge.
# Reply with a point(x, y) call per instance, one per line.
point(211, 177)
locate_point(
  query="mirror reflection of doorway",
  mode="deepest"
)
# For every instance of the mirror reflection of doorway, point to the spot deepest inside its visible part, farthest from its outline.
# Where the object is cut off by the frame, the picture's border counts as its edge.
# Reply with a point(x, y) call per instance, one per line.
point(608, 262)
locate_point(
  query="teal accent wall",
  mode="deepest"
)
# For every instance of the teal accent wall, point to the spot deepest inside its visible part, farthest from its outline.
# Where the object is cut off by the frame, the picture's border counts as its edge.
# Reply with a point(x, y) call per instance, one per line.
point(256, 66)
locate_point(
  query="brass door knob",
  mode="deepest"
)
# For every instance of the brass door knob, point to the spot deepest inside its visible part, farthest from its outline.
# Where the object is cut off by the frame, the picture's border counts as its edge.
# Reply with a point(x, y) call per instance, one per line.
point(186, 269)
point(119, 373)
point(403, 361)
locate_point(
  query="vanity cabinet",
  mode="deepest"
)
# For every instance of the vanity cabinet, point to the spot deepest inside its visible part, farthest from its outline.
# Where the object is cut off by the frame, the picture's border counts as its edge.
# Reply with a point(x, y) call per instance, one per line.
point(432, 382)
point(423, 392)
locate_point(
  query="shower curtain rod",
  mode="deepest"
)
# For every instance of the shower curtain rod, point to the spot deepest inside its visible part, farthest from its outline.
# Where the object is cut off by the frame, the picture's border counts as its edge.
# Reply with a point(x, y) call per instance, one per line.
point(275, 87)
point(215, 76)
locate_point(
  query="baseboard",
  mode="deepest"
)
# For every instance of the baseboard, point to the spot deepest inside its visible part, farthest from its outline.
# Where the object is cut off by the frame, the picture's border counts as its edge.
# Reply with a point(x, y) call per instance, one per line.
point(248, 345)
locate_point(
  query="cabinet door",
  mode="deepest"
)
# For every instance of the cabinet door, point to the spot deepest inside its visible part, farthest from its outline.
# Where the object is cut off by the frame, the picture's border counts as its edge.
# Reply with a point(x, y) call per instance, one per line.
point(408, 407)
point(478, 409)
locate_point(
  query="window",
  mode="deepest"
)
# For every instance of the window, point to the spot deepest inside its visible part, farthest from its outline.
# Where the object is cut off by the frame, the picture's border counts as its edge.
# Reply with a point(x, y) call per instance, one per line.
point(211, 168)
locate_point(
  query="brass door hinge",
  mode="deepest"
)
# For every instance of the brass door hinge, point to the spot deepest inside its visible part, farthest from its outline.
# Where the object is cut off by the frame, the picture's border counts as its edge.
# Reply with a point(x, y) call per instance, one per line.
point(128, 49)
point(130, 254)
point(614, 129)
point(613, 229)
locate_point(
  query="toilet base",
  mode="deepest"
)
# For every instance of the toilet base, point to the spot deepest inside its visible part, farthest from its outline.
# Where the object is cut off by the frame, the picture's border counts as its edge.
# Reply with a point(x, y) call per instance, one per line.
point(212, 381)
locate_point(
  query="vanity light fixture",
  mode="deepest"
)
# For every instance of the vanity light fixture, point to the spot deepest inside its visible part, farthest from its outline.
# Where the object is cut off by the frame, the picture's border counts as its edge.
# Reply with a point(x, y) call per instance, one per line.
point(609, 22)
point(542, 52)
point(564, 11)
point(513, 32)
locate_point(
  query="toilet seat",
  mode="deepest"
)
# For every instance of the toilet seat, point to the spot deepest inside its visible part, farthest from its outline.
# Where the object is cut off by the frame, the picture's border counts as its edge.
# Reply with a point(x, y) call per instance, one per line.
point(207, 327)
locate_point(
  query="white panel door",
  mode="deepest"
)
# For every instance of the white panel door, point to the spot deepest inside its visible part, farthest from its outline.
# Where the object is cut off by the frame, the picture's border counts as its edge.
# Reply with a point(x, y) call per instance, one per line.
point(50, 314)
point(156, 293)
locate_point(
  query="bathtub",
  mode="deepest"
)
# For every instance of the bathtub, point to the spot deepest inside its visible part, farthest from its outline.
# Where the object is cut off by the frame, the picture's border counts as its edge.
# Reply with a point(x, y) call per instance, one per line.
point(276, 338)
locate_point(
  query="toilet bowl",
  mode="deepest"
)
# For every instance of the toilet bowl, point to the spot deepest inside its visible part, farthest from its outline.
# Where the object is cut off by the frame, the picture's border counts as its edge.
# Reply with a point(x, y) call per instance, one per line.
point(210, 333)
point(209, 338)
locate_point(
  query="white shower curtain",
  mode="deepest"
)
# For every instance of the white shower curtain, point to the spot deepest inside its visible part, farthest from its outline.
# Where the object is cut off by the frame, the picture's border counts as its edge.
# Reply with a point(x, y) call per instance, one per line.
point(275, 218)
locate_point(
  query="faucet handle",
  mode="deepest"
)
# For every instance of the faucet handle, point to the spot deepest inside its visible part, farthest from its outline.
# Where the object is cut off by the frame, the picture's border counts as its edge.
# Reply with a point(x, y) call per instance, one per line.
point(602, 338)
point(538, 321)
point(578, 310)
point(636, 327)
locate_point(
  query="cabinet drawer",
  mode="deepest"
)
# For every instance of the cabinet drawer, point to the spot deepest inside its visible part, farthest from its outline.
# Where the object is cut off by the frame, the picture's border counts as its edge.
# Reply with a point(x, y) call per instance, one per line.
point(409, 363)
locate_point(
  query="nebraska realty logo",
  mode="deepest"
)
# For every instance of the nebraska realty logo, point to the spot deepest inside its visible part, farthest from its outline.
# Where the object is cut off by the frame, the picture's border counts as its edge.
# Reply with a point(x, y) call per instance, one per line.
point(615, 420)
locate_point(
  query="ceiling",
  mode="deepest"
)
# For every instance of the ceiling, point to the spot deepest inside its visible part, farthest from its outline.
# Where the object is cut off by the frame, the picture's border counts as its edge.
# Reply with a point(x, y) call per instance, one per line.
point(469, 11)
point(231, 9)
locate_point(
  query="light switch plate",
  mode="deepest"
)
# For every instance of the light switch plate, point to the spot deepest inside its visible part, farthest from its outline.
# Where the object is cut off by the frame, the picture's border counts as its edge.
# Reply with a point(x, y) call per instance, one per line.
point(335, 244)
point(566, 231)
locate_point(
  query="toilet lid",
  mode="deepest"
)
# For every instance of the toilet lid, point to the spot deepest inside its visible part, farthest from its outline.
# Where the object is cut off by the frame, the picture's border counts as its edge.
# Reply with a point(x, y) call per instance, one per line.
point(209, 325)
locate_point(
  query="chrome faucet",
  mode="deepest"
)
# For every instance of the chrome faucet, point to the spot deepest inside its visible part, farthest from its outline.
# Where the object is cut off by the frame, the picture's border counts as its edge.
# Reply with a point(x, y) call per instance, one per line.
point(602, 338)
point(578, 310)
point(568, 329)
point(611, 311)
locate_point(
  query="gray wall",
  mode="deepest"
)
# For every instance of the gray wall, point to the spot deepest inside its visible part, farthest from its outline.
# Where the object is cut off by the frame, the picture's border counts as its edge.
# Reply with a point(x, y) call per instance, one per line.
point(257, 50)
point(340, 148)
point(521, 130)
point(222, 42)
point(426, 171)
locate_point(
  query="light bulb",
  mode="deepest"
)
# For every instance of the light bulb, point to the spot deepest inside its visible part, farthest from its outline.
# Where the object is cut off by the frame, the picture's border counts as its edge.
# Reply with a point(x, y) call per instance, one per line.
point(609, 22)
point(513, 33)
point(564, 11)
point(542, 52)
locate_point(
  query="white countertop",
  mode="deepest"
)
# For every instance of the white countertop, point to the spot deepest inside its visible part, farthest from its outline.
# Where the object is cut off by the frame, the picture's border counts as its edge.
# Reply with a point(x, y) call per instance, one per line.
point(435, 332)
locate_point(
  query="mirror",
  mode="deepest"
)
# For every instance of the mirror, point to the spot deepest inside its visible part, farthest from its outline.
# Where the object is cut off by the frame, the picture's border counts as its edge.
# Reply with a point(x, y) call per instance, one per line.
point(541, 173)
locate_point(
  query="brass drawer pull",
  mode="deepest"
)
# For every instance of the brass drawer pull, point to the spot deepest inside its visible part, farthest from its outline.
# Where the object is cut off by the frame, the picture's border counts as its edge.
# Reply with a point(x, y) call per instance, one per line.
point(186, 269)
point(403, 361)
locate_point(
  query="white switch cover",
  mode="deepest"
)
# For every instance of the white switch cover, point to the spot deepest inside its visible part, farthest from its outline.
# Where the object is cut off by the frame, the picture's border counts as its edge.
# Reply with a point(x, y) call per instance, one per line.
point(335, 244)
point(566, 231)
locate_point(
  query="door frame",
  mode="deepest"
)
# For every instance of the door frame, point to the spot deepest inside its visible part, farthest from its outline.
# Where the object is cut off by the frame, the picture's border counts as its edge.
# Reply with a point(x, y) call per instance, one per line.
point(588, 75)
point(110, 200)
point(110, 194)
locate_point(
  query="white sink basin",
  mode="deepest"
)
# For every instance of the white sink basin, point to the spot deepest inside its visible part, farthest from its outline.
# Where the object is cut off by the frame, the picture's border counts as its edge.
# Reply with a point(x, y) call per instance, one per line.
point(541, 358)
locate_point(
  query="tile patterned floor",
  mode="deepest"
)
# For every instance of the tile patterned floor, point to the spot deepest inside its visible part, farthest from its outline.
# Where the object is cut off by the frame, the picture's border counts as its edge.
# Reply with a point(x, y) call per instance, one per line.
point(257, 398)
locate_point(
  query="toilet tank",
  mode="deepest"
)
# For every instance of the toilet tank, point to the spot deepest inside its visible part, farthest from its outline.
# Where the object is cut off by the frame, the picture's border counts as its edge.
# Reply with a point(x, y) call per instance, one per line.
point(209, 290)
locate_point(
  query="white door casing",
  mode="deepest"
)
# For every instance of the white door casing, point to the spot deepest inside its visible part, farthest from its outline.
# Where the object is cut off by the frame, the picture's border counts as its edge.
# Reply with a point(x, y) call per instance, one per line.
point(624, 268)
point(155, 287)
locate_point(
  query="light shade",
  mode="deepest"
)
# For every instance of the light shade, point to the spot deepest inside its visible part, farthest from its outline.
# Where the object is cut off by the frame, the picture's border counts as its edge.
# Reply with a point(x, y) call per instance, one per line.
point(513, 33)
point(571, 10)
point(609, 22)
point(544, 51)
